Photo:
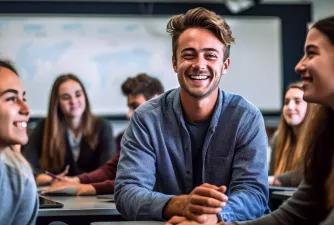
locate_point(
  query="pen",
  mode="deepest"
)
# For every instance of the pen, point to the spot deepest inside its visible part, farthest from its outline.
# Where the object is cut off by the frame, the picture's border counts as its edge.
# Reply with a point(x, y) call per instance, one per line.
point(52, 175)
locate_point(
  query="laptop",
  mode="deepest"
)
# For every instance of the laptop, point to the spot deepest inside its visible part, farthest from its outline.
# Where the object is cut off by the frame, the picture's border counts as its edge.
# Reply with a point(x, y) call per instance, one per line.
point(45, 203)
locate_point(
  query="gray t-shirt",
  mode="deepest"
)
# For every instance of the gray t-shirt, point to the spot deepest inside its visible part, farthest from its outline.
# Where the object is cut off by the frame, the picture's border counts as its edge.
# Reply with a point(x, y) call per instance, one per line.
point(197, 132)
point(18, 199)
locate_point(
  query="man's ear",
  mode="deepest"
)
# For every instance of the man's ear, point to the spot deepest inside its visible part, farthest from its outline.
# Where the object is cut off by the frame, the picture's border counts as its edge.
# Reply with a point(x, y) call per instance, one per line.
point(226, 65)
point(174, 63)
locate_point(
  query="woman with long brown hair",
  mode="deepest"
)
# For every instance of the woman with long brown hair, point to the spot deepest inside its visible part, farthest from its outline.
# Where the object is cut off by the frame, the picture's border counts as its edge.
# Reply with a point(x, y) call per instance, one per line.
point(313, 202)
point(70, 134)
point(285, 162)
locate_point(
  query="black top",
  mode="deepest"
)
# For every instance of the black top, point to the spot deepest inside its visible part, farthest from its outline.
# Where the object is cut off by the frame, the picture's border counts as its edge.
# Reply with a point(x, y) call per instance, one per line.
point(89, 159)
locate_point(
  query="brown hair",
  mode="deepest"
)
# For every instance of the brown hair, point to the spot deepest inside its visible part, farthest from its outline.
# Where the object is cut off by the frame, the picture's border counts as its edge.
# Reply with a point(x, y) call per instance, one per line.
point(319, 143)
point(287, 154)
point(142, 84)
point(8, 65)
point(201, 18)
point(53, 147)
point(319, 147)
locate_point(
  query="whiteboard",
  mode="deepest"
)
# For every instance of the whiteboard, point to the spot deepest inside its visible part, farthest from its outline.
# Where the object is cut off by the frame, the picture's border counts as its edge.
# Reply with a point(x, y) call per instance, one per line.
point(104, 50)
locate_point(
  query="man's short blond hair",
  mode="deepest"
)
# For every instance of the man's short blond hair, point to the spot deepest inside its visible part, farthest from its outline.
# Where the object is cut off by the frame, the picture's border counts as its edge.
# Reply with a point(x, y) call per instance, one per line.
point(200, 18)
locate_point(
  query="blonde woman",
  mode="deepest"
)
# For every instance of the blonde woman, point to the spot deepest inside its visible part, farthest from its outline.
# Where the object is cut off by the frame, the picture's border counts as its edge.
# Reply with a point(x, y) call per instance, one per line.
point(18, 199)
point(285, 162)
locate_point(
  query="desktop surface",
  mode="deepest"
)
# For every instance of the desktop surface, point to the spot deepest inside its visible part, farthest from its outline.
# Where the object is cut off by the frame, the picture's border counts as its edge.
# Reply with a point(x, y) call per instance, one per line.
point(78, 206)
point(129, 223)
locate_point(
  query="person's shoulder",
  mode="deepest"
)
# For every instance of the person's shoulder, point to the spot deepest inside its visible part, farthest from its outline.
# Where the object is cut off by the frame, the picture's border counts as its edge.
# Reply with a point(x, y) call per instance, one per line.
point(100, 121)
point(155, 104)
point(16, 165)
point(239, 102)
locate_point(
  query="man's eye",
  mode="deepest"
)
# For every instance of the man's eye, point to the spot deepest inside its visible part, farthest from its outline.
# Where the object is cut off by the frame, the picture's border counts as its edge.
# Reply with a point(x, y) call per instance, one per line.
point(188, 55)
point(211, 56)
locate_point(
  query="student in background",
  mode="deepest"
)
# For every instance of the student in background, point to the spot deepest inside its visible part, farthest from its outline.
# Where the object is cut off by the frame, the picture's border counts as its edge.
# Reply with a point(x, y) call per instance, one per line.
point(138, 90)
point(18, 199)
point(70, 134)
point(195, 150)
point(285, 163)
point(313, 202)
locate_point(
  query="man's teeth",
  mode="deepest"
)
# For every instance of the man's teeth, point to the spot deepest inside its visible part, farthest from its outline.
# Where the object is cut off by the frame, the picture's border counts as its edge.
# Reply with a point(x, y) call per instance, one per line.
point(199, 77)
point(21, 124)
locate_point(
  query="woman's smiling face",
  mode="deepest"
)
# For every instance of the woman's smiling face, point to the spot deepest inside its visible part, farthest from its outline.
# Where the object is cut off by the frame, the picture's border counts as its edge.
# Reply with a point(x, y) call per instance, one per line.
point(14, 112)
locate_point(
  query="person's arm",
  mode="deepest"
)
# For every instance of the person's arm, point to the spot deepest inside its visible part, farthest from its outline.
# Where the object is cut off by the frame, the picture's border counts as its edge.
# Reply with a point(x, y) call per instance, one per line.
point(135, 178)
point(106, 145)
point(32, 150)
point(105, 187)
point(249, 191)
point(272, 146)
point(106, 172)
point(291, 179)
point(299, 209)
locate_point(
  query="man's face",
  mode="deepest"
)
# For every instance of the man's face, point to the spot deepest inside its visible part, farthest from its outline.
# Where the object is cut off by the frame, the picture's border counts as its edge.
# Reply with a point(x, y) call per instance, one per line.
point(199, 62)
point(133, 102)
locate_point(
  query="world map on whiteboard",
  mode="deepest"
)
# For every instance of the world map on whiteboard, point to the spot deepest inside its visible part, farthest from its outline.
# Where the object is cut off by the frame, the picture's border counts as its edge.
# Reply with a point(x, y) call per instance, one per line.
point(104, 51)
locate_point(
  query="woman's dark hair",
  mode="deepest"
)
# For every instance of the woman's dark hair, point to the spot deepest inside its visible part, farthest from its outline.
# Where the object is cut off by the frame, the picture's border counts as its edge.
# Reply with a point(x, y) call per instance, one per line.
point(318, 138)
point(326, 26)
point(8, 65)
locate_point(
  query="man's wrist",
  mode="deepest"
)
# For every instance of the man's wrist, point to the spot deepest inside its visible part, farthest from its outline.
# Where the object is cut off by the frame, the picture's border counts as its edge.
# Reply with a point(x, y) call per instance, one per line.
point(174, 207)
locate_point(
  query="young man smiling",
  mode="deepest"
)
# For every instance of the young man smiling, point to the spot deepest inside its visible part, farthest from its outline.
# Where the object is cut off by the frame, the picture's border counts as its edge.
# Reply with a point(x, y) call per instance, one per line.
point(196, 152)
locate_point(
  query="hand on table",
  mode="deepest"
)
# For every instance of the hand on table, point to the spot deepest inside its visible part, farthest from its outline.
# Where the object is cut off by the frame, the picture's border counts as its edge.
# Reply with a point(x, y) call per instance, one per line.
point(203, 201)
point(273, 181)
point(81, 189)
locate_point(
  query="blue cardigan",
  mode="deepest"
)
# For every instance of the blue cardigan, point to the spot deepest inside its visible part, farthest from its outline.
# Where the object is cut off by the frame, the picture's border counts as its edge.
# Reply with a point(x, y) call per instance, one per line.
point(156, 159)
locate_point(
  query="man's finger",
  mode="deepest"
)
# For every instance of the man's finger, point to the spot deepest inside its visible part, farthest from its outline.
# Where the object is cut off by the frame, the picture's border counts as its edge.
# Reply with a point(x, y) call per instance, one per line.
point(208, 192)
point(198, 209)
point(206, 201)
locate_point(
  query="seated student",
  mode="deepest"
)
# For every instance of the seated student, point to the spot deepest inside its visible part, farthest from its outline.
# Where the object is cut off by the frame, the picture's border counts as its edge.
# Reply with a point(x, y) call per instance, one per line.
point(70, 134)
point(313, 202)
point(138, 90)
point(195, 150)
point(285, 163)
point(18, 199)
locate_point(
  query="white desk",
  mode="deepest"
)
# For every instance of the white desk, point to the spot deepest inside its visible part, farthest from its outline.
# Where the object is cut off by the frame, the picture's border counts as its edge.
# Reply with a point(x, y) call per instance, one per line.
point(129, 223)
point(80, 206)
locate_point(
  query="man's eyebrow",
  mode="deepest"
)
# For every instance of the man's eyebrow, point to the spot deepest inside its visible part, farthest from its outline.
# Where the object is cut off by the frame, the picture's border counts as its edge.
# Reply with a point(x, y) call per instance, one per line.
point(210, 50)
point(10, 91)
point(188, 49)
